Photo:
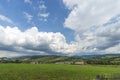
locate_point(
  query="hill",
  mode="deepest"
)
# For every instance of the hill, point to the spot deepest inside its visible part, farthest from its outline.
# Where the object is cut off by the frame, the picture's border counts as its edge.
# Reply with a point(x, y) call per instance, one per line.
point(107, 59)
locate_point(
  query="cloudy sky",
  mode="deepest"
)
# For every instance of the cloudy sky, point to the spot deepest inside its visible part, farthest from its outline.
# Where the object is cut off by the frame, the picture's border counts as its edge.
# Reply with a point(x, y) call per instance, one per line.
point(59, 27)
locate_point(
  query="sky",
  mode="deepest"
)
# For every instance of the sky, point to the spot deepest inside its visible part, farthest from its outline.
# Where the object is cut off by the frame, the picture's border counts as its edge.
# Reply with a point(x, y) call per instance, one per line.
point(59, 27)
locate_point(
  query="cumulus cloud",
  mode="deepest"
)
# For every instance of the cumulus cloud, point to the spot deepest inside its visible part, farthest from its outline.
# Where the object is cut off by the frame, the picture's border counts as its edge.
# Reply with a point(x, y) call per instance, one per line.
point(114, 49)
point(96, 24)
point(33, 41)
point(86, 14)
point(109, 34)
point(10, 54)
point(102, 39)
point(6, 19)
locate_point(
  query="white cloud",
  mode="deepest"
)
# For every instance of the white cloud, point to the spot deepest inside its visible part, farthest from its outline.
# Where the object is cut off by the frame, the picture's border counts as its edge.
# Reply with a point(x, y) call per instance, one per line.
point(44, 15)
point(6, 19)
point(86, 14)
point(9, 54)
point(33, 41)
point(28, 1)
point(109, 35)
point(42, 7)
point(114, 49)
point(88, 19)
point(28, 16)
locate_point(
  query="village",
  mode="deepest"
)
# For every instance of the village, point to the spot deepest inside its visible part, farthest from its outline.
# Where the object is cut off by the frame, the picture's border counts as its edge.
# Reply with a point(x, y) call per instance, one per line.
point(98, 60)
point(9, 60)
point(65, 62)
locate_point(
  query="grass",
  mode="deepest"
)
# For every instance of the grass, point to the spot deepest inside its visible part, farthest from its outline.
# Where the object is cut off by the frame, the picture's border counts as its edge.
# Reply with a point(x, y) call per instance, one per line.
point(53, 71)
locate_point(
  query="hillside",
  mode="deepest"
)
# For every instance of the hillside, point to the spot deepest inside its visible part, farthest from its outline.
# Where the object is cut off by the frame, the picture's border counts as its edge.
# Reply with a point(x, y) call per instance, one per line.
point(49, 59)
point(107, 59)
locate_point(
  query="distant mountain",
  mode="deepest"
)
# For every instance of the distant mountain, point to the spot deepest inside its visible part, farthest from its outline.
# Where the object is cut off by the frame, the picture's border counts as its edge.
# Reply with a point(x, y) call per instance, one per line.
point(89, 59)
point(80, 56)
point(53, 58)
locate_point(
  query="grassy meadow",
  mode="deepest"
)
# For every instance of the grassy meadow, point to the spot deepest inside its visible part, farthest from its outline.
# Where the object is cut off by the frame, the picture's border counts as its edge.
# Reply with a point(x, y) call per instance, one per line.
point(54, 71)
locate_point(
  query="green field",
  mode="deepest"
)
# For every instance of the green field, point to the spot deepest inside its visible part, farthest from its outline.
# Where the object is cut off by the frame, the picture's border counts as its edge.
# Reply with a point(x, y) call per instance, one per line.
point(54, 72)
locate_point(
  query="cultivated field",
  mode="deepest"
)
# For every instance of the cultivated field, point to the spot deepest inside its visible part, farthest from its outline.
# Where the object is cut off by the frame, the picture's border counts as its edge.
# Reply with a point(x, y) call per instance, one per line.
point(54, 72)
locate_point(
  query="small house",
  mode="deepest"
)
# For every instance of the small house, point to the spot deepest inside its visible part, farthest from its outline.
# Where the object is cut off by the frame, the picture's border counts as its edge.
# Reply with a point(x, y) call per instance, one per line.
point(80, 63)
point(34, 62)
